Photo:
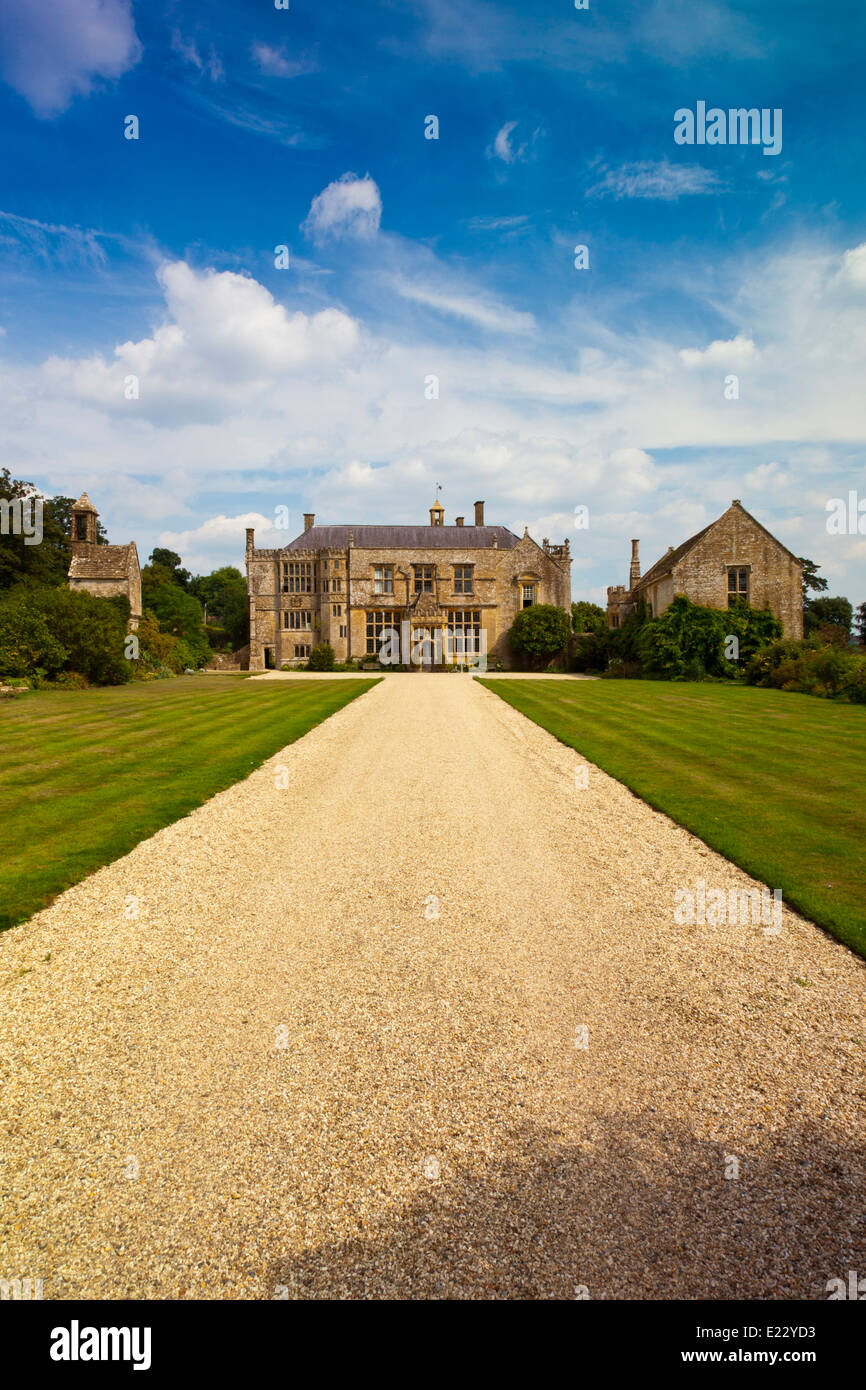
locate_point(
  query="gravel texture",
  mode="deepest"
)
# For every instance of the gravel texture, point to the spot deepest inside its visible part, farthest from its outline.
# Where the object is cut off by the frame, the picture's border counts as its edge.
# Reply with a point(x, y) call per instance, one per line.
point(323, 1039)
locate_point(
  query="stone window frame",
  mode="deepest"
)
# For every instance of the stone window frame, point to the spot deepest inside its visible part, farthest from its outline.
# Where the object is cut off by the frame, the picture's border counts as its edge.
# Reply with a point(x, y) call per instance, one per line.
point(528, 588)
point(423, 579)
point(377, 621)
point(463, 622)
point(382, 577)
point(739, 592)
point(293, 620)
point(464, 574)
point(298, 577)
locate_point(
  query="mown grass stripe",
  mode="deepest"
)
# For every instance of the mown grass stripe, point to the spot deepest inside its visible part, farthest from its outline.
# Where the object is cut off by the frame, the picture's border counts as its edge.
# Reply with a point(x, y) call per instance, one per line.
point(772, 780)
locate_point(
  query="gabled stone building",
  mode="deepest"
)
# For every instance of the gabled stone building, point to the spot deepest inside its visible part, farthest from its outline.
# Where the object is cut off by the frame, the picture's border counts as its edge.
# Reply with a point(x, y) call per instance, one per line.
point(103, 570)
point(734, 558)
point(347, 585)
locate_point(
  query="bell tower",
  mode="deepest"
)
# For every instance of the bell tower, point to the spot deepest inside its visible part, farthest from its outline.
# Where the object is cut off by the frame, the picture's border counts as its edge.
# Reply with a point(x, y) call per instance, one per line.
point(84, 519)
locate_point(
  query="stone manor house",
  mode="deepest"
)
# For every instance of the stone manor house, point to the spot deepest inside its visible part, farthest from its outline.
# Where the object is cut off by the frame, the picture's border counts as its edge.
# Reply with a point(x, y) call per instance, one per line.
point(734, 558)
point(347, 585)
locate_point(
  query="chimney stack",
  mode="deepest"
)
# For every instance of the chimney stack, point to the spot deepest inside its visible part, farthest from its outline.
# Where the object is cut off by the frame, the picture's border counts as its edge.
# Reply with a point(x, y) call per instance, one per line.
point(634, 570)
point(458, 521)
point(309, 520)
point(479, 513)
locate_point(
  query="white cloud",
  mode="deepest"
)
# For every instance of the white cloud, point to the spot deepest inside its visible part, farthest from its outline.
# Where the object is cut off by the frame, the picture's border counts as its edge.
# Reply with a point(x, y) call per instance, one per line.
point(502, 143)
point(275, 62)
point(55, 50)
point(503, 148)
point(188, 51)
point(767, 477)
point(481, 310)
point(224, 337)
point(854, 266)
point(659, 179)
point(350, 207)
point(225, 536)
point(737, 352)
point(242, 396)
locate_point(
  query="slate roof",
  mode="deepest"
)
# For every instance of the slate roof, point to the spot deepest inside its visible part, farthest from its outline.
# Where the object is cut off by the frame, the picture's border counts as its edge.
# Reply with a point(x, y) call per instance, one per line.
point(101, 562)
point(406, 538)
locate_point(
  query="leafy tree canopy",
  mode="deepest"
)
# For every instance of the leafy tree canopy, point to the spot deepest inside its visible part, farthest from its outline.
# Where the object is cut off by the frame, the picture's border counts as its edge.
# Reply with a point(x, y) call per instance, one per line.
point(540, 632)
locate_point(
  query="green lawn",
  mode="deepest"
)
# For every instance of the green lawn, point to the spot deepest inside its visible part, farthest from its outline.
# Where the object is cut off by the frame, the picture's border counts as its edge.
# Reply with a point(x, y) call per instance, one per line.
point(774, 781)
point(86, 775)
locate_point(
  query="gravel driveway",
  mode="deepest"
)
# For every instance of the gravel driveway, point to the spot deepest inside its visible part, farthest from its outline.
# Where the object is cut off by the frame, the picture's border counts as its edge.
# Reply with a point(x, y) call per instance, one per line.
point(408, 1013)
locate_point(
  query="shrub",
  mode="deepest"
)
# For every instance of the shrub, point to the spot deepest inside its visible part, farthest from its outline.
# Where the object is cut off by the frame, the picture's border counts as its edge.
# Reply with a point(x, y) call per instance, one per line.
point(88, 634)
point(811, 667)
point(321, 658)
point(591, 652)
point(539, 633)
point(689, 641)
point(26, 644)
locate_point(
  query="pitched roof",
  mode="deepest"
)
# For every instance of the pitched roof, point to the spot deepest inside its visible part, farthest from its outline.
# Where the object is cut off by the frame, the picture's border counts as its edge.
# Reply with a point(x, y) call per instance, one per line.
point(667, 562)
point(673, 557)
point(405, 538)
point(101, 562)
point(84, 504)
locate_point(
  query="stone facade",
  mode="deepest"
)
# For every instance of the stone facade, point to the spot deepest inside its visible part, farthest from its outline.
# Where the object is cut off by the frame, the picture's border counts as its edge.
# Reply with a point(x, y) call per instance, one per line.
point(345, 584)
point(734, 557)
point(103, 570)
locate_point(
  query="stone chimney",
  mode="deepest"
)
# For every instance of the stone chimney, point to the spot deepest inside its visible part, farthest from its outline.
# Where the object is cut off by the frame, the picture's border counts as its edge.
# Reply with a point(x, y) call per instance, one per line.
point(251, 540)
point(479, 513)
point(634, 568)
point(458, 521)
point(309, 520)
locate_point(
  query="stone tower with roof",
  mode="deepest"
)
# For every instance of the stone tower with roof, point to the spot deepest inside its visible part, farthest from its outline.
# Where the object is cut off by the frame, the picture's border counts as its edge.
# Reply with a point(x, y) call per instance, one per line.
point(103, 570)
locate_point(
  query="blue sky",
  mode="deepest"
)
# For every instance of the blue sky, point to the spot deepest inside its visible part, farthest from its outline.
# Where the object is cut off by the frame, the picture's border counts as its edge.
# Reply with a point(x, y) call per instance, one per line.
point(304, 387)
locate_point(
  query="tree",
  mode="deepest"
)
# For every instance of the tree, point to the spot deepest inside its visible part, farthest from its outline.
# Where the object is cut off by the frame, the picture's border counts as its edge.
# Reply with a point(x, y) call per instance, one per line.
point(321, 658)
point(539, 633)
point(811, 578)
point(44, 563)
point(179, 614)
point(225, 593)
point(860, 624)
point(588, 617)
point(820, 611)
point(26, 645)
point(88, 634)
point(171, 561)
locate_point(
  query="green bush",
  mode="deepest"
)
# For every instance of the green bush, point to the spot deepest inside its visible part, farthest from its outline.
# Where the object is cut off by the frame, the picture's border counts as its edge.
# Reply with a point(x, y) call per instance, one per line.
point(321, 658)
point(87, 635)
point(26, 644)
point(540, 633)
point(689, 641)
point(810, 667)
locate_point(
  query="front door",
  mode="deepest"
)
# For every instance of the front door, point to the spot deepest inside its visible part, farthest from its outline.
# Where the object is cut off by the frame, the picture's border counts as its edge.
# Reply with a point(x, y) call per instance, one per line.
point(422, 648)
